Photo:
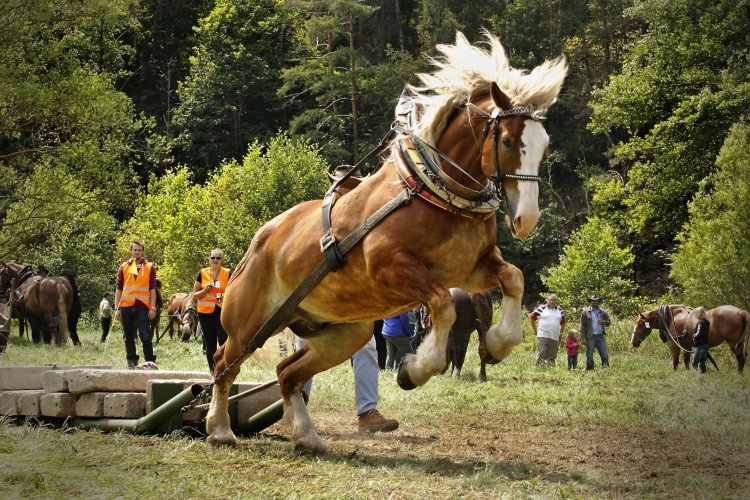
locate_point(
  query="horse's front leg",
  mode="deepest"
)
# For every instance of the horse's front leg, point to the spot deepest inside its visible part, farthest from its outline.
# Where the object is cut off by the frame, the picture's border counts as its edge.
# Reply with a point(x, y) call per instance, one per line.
point(217, 421)
point(492, 271)
point(408, 276)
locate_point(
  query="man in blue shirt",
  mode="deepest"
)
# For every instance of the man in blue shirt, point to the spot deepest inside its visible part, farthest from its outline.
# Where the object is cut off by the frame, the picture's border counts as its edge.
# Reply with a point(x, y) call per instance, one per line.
point(594, 321)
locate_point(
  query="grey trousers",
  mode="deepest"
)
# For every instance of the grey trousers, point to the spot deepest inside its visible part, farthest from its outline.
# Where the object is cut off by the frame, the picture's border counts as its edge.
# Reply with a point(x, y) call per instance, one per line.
point(546, 350)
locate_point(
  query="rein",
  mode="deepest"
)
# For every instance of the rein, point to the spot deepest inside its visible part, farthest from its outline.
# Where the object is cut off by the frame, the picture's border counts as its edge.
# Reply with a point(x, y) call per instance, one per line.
point(664, 314)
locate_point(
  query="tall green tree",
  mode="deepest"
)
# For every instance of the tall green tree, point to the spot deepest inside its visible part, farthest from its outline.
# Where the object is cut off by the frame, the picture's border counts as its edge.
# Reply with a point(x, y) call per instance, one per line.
point(683, 84)
point(229, 98)
point(161, 56)
point(712, 262)
point(331, 75)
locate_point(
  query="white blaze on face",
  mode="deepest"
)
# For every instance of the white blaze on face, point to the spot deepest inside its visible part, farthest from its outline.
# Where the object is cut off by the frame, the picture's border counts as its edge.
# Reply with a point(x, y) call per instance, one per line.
point(534, 141)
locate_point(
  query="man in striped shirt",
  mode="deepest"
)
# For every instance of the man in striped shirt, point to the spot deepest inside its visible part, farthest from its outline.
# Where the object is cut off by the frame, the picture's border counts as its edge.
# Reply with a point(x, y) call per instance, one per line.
point(548, 321)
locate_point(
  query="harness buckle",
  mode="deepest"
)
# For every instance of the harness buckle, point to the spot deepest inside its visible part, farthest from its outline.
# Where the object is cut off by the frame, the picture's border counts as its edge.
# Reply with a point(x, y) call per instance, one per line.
point(327, 241)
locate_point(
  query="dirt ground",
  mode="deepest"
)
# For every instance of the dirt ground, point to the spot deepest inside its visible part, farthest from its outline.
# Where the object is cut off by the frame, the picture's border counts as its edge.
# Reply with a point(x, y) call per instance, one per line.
point(601, 460)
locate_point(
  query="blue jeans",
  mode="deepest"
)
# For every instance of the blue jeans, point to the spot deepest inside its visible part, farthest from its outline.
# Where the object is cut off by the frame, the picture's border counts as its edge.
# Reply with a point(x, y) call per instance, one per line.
point(365, 364)
point(701, 353)
point(599, 343)
point(133, 318)
point(573, 362)
point(397, 347)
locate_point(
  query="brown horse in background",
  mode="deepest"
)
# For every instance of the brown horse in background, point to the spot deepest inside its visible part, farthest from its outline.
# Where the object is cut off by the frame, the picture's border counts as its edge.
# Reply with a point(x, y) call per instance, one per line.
point(729, 324)
point(46, 303)
point(473, 313)
point(442, 236)
point(183, 313)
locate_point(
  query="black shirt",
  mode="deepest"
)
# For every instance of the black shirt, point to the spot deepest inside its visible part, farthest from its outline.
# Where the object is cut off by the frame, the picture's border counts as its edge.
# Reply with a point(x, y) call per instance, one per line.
point(701, 332)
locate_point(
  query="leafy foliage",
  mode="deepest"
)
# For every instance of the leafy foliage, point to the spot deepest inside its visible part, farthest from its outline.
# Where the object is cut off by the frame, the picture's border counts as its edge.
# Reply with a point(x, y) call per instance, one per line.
point(712, 263)
point(181, 221)
point(229, 98)
point(593, 262)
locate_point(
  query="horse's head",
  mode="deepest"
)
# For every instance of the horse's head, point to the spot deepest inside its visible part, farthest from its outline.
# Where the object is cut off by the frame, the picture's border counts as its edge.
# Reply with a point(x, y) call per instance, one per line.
point(513, 158)
point(505, 108)
point(644, 323)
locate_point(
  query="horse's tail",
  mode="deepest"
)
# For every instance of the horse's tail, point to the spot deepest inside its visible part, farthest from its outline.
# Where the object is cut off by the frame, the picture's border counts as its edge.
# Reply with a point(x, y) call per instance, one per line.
point(62, 311)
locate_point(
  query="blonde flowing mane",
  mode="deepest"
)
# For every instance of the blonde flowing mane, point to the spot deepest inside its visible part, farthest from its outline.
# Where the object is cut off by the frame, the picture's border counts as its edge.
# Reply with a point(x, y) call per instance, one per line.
point(464, 70)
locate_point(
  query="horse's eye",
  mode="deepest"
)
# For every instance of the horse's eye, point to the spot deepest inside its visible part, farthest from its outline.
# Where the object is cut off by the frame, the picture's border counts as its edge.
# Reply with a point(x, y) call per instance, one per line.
point(507, 142)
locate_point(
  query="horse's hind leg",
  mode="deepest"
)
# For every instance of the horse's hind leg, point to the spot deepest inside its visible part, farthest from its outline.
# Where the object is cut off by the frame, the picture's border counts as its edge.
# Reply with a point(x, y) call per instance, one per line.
point(329, 347)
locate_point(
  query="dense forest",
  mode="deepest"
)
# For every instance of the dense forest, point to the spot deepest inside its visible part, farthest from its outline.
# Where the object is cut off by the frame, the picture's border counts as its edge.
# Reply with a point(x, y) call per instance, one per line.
point(189, 124)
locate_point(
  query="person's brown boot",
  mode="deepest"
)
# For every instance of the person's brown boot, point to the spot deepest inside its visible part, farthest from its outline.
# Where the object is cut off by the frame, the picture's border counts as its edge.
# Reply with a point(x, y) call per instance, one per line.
point(373, 421)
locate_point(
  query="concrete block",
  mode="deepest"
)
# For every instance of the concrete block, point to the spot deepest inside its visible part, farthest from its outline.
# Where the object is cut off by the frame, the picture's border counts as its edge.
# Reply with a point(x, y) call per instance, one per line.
point(59, 404)
point(54, 381)
point(82, 381)
point(91, 404)
point(250, 405)
point(125, 405)
point(29, 403)
point(160, 391)
point(8, 403)
point(18, 378)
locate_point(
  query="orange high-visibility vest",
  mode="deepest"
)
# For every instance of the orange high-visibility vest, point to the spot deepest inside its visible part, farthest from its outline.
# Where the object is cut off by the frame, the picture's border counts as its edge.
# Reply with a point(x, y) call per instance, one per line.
point(215, 296)
point(135, 286)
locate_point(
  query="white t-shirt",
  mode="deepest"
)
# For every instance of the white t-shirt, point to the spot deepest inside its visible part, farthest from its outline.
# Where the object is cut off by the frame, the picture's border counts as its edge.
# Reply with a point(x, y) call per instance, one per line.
point(105, 310)
point(549, 321)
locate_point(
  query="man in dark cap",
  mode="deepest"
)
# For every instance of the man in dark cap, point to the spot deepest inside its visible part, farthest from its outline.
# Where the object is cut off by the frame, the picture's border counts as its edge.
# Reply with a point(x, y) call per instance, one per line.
point(594, 321)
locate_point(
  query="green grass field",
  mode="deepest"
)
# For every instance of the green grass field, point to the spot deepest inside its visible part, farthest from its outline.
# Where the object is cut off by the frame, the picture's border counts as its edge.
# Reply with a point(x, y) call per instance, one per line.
point(637, 429)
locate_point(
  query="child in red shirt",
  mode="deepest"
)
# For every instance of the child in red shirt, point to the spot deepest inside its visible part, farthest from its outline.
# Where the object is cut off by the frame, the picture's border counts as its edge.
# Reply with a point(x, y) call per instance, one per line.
point(571, 345)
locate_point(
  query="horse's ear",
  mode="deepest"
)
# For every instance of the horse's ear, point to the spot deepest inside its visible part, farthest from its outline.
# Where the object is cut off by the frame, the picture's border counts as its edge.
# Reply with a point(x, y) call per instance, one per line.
point(499, 98)
point(640, 315)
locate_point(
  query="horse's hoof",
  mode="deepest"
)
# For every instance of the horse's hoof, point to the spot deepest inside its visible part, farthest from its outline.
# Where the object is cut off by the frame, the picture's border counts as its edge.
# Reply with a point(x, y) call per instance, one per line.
point(403, 379)
point(225, 438)
point(310, 444)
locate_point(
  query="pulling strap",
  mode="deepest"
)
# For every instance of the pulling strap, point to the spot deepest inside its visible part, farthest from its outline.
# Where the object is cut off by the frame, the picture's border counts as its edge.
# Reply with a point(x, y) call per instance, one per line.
point(287, 308)
point(328, 245)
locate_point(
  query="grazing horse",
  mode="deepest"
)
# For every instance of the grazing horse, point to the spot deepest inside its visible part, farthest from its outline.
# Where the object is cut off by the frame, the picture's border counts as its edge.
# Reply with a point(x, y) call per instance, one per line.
point(45, 302)
point(182, 311)
point(473, 312)
point(728, 324)
point(484, 118)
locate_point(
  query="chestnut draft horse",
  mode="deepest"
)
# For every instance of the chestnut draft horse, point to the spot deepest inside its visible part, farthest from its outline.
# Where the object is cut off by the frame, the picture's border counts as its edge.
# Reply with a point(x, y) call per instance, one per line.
point(471, 134)
point(728, 324)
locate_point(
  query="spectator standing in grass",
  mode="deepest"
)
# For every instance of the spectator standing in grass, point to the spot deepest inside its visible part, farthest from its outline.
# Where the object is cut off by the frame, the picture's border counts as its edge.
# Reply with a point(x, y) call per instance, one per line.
point(548, 321)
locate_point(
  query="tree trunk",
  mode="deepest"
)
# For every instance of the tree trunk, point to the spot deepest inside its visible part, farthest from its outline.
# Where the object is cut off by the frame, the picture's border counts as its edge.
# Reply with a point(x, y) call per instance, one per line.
point(353, 67)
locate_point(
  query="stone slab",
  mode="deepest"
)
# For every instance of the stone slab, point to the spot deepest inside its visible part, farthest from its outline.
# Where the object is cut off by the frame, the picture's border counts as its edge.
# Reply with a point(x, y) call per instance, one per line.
point(19, 378)
point(91, 404)
point(83, 381)
point(9, 403)
point(29, 403)
point(54, 381)
point(59, 404)
point(125, 405)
